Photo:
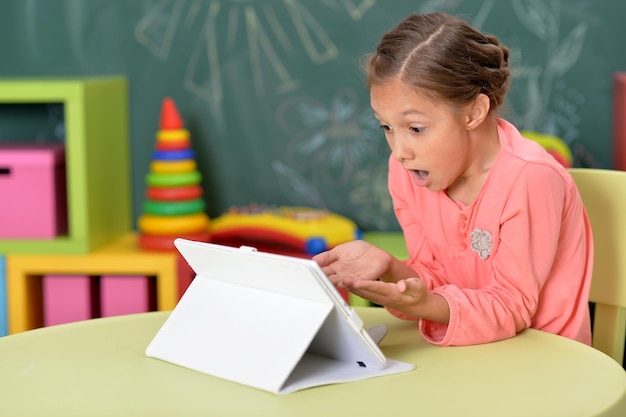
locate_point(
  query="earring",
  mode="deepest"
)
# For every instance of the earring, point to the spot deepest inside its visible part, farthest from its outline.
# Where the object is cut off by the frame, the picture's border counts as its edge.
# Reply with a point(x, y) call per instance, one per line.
point(469, 129)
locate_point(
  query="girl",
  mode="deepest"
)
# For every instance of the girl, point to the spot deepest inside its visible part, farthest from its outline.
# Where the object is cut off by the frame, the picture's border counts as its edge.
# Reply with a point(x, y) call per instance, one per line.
point(497, 235)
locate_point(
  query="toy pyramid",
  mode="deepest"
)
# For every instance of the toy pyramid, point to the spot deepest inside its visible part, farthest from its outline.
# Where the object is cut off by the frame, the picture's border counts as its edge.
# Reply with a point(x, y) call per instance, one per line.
point(174, 206)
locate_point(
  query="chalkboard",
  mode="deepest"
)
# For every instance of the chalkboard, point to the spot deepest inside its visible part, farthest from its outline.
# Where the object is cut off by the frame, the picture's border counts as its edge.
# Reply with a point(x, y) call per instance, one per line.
point(272, 92)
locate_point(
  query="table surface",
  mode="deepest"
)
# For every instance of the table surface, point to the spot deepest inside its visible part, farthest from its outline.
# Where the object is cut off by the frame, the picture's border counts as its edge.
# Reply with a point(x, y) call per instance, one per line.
point(98, 368)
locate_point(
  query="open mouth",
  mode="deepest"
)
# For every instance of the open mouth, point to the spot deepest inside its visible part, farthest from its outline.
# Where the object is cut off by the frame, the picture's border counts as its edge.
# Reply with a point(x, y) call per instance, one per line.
point(422, 174)
point(419, 177)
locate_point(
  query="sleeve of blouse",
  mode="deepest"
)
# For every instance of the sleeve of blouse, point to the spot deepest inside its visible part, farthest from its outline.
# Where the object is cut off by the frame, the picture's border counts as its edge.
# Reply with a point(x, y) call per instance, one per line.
point(529, 239)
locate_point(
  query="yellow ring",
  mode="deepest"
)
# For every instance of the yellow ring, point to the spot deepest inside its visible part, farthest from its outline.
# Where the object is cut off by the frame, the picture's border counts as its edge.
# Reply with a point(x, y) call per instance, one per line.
point(173, 225)
point(172, 134)
point(173, 167)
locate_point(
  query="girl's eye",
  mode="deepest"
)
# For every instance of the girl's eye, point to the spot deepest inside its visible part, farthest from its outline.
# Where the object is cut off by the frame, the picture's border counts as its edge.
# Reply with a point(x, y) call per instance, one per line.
point(385, 128)
point(418, 129)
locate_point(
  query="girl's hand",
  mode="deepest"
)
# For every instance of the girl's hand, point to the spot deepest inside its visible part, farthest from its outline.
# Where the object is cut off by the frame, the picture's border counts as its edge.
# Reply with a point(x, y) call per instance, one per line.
point(356, 260)
point(375, 275)
point(408, 295)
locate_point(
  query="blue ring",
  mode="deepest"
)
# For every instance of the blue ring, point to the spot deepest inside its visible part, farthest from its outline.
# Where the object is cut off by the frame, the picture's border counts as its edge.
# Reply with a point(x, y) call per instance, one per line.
point(173, 155)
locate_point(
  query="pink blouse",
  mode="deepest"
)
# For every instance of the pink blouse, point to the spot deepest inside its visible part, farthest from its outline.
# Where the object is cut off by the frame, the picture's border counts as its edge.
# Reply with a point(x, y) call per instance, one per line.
point(519, 256)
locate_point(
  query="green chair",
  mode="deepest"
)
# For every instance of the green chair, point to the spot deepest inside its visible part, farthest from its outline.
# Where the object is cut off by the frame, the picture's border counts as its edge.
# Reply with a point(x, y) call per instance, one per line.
point(603, 193)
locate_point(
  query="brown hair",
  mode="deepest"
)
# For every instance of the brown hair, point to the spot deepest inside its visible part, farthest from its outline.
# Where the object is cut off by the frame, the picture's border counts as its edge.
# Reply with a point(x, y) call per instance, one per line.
point(443, 57)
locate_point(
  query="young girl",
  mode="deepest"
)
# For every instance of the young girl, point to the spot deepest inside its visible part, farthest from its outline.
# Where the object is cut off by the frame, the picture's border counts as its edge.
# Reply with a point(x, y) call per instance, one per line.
point(497, 235)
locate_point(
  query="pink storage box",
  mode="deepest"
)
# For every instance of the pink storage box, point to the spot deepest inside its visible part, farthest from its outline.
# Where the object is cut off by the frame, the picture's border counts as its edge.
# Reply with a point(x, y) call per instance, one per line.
point(120, 294)
point(33, 196)
point(69, 298)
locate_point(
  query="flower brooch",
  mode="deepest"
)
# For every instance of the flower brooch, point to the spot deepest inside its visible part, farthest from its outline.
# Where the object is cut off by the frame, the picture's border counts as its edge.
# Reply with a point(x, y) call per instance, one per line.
point(481, 243)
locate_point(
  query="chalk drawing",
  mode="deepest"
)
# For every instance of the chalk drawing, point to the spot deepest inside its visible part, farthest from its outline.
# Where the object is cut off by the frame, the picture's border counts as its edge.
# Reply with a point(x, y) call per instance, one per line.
point(370, 195)
point(296, 187)
point(329, 141)
point(157, 28)
point(545, 110)
point(266, 38)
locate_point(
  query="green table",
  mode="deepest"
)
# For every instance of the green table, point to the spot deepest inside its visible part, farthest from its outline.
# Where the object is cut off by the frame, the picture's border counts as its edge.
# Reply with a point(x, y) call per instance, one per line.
point(98, 368)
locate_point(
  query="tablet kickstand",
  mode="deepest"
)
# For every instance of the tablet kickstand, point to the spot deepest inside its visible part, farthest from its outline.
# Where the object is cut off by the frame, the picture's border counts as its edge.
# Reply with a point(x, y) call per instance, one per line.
point(377, 333)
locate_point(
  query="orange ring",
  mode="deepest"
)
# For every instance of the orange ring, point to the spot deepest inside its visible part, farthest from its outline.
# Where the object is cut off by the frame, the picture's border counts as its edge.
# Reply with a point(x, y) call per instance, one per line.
point(173, 225)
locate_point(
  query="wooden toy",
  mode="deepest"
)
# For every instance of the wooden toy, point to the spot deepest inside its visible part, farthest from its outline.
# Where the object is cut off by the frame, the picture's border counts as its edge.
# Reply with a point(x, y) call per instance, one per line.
point(174, 206)
point(308, 230)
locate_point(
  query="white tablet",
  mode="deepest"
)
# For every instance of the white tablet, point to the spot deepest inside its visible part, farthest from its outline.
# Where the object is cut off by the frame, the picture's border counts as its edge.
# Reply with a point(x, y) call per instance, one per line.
point(270, 321)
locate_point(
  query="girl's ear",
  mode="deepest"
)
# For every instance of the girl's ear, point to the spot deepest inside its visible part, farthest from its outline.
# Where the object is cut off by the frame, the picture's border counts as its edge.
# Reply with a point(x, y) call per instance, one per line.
point(477, 112)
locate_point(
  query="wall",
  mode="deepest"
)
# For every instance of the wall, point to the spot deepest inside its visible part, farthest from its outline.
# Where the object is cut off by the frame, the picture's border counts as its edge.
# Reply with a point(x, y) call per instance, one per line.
point(272, 92)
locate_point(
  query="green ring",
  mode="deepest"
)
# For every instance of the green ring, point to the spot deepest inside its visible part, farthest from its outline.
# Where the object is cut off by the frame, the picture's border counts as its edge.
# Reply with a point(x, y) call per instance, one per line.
point(173, 208)
point(173, 180)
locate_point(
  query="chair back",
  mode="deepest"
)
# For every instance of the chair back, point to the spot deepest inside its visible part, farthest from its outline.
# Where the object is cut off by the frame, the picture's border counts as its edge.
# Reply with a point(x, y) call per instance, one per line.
point(603, 193)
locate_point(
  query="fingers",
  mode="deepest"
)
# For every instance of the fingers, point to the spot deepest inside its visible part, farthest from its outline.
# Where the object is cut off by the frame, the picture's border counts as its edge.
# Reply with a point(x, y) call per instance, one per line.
point(326, 258)
point(406, 286)
point(397, 295)
point(321, 258)
point(375, 291)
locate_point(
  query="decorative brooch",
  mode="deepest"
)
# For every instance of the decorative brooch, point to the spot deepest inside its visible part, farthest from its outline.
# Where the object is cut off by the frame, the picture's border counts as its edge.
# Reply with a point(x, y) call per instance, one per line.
point(481, 243)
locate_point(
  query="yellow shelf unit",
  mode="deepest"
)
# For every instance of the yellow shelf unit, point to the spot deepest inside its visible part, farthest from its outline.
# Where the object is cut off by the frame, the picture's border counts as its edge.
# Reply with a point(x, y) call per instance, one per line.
point(123, 256)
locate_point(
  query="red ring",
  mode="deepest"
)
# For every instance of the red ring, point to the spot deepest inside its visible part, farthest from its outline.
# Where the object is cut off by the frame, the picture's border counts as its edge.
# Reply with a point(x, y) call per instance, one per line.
point(190, 192)
point(166, 243)
point(172, 145)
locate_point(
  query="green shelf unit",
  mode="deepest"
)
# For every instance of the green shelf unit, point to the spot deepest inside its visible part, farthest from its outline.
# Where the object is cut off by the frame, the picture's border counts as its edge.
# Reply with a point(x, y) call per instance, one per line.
point(97, 158)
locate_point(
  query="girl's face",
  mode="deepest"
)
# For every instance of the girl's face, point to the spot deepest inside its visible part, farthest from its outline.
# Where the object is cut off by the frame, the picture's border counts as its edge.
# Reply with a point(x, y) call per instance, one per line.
point(430, 139)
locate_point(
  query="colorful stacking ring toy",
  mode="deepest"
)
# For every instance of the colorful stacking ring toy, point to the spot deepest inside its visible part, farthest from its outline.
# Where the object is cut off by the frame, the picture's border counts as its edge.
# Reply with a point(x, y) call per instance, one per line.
point(190, 192)
point(173, 225)
point(173, 208)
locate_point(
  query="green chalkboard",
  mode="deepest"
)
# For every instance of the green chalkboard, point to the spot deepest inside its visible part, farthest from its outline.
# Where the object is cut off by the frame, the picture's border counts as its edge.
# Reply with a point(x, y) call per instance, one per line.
point(273, 96)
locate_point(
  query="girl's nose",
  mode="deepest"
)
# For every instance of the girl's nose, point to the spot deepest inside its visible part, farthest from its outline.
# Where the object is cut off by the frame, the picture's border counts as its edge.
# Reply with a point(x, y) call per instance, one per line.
point(399, 150)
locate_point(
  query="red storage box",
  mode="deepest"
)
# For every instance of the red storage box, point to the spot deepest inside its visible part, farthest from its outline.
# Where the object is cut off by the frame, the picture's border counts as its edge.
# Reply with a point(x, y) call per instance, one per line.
point(33, 197)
